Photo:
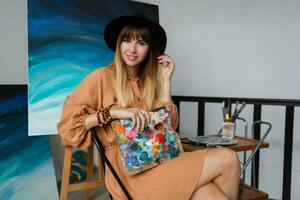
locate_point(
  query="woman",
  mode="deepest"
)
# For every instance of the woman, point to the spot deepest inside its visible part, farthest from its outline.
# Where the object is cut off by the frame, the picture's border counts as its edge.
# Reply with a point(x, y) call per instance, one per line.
point(138, 80)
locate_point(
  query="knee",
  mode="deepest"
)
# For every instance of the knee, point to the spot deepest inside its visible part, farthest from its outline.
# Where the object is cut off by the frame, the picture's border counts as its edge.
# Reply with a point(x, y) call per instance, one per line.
point(230, 158)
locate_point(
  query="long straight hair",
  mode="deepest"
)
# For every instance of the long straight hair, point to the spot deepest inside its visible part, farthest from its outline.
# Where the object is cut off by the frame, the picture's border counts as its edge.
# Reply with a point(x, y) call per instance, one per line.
point(149, 73)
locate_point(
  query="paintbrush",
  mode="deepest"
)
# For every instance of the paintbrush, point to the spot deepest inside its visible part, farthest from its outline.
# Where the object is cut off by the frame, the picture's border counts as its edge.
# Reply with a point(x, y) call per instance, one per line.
point(224, 111)
point(236, 107)
point(229, 109)
point(238, 112)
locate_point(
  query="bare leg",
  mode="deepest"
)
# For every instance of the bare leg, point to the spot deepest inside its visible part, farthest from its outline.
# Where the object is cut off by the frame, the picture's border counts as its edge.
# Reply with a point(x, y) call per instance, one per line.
point(221, 166)
point(209, 192)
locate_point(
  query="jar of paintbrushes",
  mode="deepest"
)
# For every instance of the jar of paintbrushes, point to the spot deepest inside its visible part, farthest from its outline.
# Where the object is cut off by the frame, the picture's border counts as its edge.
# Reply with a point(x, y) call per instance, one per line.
point(228, 124)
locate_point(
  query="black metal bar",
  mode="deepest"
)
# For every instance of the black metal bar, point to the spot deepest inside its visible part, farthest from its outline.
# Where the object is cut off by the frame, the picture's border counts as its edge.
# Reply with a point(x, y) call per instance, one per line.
point(288, 153)
point(201, 118)
point(177, 103)
point(101, 150)
point(255, 163)
point(285, 102)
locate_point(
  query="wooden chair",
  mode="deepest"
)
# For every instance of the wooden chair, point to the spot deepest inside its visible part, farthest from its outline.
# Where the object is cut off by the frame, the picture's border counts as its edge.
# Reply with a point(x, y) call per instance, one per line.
point(88, 185)
point(251, 193)
point(246, 191)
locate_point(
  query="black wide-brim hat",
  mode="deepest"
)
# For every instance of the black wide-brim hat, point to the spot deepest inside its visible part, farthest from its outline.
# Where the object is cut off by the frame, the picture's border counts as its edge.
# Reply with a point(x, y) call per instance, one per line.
point(115, 26)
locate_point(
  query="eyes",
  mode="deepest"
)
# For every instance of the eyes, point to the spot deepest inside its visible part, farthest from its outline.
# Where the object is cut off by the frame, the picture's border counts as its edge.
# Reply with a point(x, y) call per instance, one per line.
point(142, 43)
point(139, 42)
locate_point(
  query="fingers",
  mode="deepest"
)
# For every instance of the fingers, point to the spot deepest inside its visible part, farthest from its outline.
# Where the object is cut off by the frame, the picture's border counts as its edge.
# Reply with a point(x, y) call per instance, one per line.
point(146, 115)
point(164, 60)
point(139, 120)
point(163, 56)
point(134, 121)
point(145, 119)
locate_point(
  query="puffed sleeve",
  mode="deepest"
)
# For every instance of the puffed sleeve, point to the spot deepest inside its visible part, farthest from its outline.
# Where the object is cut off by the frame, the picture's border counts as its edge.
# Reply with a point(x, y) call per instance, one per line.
point(82, 102)
point(174, 112)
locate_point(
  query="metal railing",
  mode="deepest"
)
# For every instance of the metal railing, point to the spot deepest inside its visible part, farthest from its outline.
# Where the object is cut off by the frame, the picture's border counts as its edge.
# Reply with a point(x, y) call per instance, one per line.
point(257, 103)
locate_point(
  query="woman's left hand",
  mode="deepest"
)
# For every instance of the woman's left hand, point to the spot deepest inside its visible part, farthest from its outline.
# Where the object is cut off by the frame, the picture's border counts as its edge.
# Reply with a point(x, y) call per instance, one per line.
point(168, 67)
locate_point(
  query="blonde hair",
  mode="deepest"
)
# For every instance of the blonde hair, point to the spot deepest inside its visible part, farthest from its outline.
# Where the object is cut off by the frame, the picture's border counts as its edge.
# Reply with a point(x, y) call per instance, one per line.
point(149, 73)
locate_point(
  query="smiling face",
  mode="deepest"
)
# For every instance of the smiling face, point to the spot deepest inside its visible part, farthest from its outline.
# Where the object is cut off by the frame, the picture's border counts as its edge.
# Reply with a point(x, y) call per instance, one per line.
point(134, 51)
point(136, 57)
point(133, 45)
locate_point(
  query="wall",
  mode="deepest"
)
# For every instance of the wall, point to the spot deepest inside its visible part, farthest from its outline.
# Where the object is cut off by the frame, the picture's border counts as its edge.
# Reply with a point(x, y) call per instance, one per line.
point(239, 49)
point(221, 48)
point(13, 40)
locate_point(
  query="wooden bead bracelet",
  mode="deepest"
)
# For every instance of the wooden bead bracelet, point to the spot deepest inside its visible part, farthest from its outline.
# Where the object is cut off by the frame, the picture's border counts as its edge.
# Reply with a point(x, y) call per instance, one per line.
point(106, 117)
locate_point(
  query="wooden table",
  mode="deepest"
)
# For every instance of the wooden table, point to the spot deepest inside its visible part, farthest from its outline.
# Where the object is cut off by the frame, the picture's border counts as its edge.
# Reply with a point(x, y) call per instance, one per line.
point(243, 144)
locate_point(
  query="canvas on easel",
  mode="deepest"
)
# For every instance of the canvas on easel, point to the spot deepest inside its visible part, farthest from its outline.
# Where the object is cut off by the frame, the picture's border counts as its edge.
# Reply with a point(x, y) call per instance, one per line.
point(65, 44)
point(26, 163)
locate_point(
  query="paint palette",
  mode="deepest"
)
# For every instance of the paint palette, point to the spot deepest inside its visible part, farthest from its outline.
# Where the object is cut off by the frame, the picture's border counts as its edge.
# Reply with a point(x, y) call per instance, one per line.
point(144, 150)
point(211, 140)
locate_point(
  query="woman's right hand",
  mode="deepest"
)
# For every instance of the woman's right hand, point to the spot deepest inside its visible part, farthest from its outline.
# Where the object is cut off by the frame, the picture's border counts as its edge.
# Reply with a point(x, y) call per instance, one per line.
point(139, 117)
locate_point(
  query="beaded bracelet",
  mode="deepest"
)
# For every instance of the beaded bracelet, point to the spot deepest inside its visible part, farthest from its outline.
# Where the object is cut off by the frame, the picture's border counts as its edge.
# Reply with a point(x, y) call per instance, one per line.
point(98, 117)
point(105, 116)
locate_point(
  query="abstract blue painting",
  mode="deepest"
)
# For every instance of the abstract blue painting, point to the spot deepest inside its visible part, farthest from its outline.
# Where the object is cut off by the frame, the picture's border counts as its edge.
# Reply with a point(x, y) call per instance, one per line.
point(66, 44)
point(26, 166)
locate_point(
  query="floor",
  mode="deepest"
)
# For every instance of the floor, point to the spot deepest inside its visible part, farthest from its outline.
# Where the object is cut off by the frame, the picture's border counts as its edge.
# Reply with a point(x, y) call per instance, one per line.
point(99, 194)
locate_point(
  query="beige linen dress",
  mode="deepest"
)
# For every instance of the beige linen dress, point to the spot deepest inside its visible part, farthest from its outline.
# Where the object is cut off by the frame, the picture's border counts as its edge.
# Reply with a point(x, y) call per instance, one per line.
point(172, 180)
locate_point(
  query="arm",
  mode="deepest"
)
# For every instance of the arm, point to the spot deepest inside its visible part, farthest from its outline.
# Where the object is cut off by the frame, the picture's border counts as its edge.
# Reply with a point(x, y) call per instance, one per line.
point(139, 117)
point(168, 68)
point(81, 103)
point(80, 112)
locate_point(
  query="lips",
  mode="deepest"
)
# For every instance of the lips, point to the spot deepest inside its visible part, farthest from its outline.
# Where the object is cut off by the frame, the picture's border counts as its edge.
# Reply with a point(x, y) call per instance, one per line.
point(131, 58)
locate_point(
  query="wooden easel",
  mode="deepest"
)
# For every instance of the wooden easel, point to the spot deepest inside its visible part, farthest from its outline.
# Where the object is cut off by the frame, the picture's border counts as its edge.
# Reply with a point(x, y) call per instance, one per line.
point(90, 184)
